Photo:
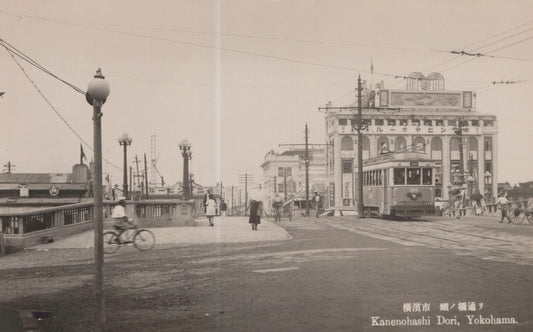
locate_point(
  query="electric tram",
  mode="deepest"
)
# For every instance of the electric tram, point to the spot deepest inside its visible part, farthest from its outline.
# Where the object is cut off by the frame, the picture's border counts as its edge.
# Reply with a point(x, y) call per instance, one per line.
point(399, 184)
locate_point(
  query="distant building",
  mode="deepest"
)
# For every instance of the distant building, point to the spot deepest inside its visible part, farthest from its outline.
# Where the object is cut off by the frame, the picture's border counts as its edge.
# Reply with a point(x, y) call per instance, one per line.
point(425, 117)
point(522, 191)
point(284, 173)
point(29, 191)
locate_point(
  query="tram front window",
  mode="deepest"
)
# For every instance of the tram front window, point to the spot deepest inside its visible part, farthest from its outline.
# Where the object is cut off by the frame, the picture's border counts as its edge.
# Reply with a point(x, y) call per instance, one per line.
point(427, 177)
point(399, 176)
point(413, 176)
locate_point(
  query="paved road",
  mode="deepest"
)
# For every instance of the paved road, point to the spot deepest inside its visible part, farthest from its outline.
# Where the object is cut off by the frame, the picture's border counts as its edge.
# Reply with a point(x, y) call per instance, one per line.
point(481, 237)
point(333, 275)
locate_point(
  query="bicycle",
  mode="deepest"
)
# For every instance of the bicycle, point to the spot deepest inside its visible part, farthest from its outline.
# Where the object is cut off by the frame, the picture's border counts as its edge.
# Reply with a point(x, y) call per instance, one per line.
point(518, 216)
point(141, 238)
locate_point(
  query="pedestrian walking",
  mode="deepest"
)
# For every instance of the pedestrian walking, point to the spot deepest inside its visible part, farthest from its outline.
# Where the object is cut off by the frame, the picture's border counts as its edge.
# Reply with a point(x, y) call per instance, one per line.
point(211, 208)
point(457, 206)
point(255, 214)
point(503, 204)
point(483, 206)
point(206, 199)
point(223, 208)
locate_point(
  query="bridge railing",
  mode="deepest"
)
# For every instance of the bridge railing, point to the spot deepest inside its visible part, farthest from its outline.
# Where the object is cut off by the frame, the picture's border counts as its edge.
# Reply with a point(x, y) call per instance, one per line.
point(32, 221)
point(25, 229)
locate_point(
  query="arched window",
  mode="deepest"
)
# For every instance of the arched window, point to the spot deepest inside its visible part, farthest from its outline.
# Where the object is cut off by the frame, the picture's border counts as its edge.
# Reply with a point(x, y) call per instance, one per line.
point(400, 144)
point(383, 145)
point(420, 144)
point(472, 149)
point(366, 147)
point(436, 148)
point(347, 143)
point(454, 148)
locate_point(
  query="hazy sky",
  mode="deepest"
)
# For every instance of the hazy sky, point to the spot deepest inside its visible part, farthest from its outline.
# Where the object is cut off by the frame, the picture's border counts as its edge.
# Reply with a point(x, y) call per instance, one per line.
point(239, 77)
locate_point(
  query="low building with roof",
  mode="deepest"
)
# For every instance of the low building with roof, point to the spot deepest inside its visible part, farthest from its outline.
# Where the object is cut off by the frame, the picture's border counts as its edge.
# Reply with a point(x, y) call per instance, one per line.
point(21, 192)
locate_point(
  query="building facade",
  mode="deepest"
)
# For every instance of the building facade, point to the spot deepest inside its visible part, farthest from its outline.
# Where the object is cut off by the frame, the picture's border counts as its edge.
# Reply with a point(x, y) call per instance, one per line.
point(284, 173)
point(21, 192)
point(425, 117)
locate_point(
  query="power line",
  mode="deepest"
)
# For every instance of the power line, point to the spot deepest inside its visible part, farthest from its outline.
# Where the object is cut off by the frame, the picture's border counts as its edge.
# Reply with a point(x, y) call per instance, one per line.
point(236, 35)
point(55, 110)
point(14, 51)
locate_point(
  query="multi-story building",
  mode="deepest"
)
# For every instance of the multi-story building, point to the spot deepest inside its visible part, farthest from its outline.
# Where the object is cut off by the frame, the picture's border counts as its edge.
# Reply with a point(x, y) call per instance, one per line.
point(284, 173)
point(438, 122)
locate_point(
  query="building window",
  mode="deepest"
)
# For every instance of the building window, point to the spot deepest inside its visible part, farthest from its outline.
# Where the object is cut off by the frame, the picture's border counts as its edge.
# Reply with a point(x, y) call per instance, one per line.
point(347, 143)
point(391, 122)
point(280, 187)
point(367, 122)
point(428, 123)
point(472, 148)
point(403, 122)
point(475, 123)
point(347, 166)
point(420, 144)
point(287, 170)
point(366, 147)
point(452, 123)
point(439, 123)
point(454, 148)
point(379, 122)
point(415, 122)
point(488, 148)
point(343, 122)
point(488, 123)
point(383, 145)
point(436, 148)
point(400, 144)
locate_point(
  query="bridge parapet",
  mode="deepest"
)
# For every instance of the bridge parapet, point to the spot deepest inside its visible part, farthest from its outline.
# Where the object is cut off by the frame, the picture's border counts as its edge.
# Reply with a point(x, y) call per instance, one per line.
point(26, 229)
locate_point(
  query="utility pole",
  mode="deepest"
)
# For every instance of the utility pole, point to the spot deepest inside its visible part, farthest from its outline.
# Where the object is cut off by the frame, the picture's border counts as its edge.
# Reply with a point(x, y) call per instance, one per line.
point(307, 160)
point(245, 178)
point(146, 175)
point(359, 127)
point(131, 178)
point(137, 176)
point(8, 167)
point(275, 185)
point(284, 183)
point(232, 205)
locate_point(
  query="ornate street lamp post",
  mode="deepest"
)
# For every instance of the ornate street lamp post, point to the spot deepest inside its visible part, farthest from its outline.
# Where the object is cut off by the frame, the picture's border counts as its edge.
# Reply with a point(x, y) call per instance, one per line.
point(125, 140)
point(186, 152)
point(96, 95)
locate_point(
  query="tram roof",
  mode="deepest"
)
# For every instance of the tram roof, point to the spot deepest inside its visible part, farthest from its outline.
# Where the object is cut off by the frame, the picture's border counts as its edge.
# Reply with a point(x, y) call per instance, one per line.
point(405, 156)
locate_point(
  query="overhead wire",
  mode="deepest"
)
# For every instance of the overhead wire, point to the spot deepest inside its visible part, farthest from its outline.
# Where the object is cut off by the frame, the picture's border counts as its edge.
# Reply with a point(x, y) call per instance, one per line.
point(14, 51)
point(55, 110)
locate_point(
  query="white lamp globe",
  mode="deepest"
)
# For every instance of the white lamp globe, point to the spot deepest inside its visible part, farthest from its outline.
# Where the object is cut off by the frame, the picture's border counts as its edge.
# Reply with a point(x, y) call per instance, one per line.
point(98, 87)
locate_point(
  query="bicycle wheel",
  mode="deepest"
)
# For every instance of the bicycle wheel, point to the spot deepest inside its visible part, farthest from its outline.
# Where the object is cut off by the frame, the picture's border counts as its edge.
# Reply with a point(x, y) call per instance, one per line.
point(111, 242)
point(530, 218)
point(144, 239)
point(519, 219)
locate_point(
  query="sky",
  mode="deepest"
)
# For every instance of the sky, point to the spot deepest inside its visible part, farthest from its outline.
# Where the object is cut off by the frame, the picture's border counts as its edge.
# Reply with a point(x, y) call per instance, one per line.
point(236, 78)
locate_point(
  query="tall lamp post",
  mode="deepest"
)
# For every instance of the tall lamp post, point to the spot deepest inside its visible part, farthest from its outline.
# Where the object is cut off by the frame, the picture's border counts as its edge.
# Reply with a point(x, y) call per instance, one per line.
point(96, 95)
point(186, 152)
point(359, 127)
point(124, 141)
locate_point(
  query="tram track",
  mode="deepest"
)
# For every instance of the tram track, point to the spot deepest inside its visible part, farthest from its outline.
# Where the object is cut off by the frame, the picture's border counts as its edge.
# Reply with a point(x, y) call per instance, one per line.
point(508, 248)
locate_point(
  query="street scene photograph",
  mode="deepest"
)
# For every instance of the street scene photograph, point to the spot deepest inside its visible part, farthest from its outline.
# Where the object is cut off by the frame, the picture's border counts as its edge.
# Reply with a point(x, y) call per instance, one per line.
point(266, 165)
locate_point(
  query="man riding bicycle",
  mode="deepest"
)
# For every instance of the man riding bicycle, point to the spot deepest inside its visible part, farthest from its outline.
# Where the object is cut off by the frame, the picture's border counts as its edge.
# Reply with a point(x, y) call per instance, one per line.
point(121, 220)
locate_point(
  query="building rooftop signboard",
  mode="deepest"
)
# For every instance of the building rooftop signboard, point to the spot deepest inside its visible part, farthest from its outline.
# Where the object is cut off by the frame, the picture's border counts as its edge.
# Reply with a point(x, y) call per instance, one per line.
point(426, 99)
